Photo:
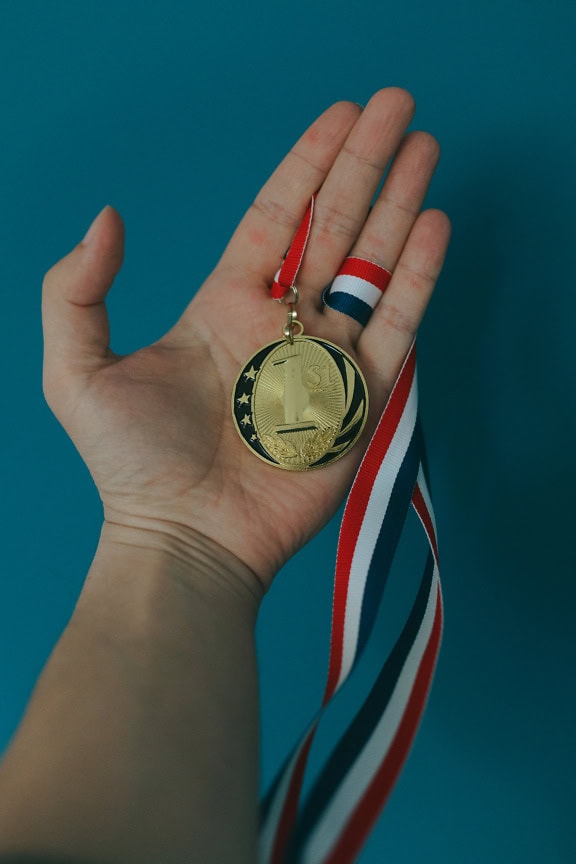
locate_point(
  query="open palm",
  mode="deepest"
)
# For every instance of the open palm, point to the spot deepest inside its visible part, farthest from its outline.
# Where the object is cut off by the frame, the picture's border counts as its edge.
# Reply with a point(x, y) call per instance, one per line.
point(155, 427)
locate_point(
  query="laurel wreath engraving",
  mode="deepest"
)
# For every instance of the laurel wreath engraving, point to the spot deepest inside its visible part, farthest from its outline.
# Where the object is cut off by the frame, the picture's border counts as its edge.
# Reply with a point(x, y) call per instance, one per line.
point(309, 451)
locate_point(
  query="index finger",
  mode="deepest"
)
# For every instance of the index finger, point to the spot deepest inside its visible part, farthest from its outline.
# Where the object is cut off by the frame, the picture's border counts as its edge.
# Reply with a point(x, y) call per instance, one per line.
point(262, 237)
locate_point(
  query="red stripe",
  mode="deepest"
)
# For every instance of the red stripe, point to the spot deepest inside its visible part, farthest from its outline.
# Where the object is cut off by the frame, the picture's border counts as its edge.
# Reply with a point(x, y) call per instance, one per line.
point(368, 809)
point(277, 291)
point(355, 512)
point(422, 510)
point(367, 270)
point(293, 260)
point(290, 806)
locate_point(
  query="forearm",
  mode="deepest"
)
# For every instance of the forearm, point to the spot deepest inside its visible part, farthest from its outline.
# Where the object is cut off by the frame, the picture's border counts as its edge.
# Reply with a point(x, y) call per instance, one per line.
point(140, 743)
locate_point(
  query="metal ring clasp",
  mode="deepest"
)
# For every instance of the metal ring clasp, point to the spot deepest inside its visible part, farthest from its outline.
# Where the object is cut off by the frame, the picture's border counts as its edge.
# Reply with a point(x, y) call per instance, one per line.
point(288, 330)
point(292, 323)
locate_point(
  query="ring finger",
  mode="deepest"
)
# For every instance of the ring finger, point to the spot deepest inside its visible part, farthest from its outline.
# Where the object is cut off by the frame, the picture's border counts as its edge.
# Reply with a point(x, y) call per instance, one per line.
point(392, 218)
point(344, 199)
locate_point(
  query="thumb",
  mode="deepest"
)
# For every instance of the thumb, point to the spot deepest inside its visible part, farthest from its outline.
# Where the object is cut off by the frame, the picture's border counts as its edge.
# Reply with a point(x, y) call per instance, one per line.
point(74, 317)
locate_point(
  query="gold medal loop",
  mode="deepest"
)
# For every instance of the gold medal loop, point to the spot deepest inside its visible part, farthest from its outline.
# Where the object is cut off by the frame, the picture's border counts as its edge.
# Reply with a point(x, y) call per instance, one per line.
point(293, 326)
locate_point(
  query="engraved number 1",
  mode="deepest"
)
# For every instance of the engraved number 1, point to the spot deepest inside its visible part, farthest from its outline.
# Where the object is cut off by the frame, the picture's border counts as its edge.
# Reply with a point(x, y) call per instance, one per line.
point(296, 396)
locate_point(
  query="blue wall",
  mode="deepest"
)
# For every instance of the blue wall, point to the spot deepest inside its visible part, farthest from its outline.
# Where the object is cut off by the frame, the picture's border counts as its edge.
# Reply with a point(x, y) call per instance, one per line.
point(176, 116)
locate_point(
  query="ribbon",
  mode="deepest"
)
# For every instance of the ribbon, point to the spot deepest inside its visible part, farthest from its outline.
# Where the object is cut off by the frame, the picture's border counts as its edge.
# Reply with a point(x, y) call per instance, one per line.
point(285, 278)
point(347, 797)
point(357, 288)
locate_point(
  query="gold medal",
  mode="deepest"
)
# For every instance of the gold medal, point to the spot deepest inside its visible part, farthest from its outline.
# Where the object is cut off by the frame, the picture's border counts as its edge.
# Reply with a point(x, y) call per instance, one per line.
point(300, 402)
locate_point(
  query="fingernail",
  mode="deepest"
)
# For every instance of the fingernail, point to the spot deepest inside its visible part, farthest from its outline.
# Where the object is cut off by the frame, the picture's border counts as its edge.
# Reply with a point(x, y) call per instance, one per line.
point(90, 234)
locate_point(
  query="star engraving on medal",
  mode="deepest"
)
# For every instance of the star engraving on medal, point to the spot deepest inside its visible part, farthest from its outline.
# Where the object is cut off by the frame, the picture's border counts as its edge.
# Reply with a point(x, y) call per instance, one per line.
point(250, 375)
point(253, 437)
point(246, 420)
point(244, 399)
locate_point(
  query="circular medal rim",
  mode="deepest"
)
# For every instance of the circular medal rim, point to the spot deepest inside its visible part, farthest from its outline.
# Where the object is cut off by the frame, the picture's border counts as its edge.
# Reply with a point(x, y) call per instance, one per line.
point(301, 338)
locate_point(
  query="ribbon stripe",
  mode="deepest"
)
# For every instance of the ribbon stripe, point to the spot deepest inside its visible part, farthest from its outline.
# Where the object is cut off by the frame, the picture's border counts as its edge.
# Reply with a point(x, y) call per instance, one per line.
point(349, 304)
point(388, 540)
point(369, 272)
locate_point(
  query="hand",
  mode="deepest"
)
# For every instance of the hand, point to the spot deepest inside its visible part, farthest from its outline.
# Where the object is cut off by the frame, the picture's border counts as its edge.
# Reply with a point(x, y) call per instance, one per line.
point(155, 427)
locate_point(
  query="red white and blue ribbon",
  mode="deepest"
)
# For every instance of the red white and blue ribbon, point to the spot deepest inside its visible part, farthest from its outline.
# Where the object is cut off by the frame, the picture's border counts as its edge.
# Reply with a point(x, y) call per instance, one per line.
point(347, 797)
point(357, 288)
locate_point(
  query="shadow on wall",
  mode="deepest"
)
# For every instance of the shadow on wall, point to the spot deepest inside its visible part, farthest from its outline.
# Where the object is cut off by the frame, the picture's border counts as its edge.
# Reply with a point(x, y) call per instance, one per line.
point(498, 399)
point(499, 394)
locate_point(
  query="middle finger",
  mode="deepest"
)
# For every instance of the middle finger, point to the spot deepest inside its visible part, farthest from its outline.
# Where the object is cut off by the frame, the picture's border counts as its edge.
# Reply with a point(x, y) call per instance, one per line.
point(390, 222)
point(344, 199)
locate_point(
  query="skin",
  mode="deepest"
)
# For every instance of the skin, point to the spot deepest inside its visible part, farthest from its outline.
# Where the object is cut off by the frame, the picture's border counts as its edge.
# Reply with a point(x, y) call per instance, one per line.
point(195, 527)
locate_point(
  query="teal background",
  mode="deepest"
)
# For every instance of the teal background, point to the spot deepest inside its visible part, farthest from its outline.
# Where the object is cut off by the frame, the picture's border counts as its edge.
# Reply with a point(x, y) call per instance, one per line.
point(176, 114)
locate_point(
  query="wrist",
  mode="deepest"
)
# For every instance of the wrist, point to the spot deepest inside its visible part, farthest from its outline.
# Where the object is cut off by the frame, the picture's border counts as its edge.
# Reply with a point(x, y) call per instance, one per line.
point(141, 574)
point(184, 554)
point(146, 713)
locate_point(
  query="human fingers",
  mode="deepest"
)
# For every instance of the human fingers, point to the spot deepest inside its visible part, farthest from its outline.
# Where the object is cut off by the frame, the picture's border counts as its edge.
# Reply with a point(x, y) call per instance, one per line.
point(260, 241)
point(386, 339)
point(74, 317)
point(344, 200)
point(386, 230)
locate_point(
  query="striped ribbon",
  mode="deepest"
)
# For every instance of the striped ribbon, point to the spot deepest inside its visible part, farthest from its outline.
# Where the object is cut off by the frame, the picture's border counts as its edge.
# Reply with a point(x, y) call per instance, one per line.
point(347, 797)
point(357, 288)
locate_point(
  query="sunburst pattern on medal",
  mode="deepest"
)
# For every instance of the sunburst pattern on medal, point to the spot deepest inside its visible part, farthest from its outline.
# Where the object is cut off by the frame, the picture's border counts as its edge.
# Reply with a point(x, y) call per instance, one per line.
point(322, 389)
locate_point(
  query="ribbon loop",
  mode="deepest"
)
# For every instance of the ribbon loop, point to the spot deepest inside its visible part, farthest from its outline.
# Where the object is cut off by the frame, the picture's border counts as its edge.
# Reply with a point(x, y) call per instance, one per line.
point(357, 288)
point(285, 278)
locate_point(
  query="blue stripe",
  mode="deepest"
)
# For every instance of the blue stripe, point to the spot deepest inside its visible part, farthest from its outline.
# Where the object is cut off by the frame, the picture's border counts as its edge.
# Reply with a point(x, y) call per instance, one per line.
point(362, 727)
point(388, 539)
point(349, 305)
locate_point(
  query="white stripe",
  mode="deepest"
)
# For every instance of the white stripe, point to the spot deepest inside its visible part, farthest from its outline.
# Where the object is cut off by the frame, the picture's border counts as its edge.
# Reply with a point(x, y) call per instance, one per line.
point(357, 287)
point(370, 528)
point(269, 829)
point(355, 783)
point(427, 500)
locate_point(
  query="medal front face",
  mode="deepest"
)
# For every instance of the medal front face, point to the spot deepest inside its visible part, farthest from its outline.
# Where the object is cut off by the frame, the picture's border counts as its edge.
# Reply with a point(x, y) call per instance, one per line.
point(301, 405)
